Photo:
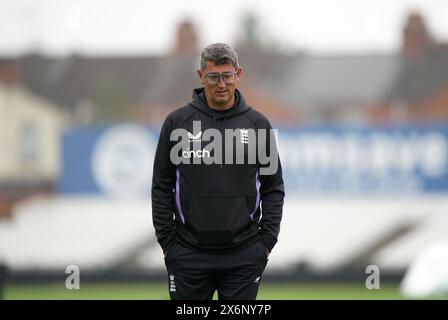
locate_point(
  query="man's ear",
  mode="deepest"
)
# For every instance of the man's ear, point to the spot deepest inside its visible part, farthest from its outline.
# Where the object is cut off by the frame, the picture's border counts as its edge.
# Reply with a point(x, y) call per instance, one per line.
point(239, 71)
point(200, 74)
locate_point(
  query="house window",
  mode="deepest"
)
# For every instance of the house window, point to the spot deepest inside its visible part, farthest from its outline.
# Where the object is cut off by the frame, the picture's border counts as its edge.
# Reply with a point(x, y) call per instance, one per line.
point(29, 143)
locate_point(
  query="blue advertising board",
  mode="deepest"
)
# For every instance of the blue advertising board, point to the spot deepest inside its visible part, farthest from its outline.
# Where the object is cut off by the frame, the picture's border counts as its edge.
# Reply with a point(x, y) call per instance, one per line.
point(111, 160)
point(407, 160)
point(362, 160)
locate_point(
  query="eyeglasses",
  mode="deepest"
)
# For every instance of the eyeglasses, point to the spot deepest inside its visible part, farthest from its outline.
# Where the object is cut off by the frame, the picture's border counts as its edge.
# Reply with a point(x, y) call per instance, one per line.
point(227, 77)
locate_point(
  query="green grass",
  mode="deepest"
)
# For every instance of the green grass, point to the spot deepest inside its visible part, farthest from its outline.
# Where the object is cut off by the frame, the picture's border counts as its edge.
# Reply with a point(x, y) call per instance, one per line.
point(158, 291)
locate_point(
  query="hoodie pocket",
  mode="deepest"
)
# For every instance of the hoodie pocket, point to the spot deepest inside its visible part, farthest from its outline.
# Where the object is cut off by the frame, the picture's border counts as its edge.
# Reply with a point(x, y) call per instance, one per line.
point(218, 220)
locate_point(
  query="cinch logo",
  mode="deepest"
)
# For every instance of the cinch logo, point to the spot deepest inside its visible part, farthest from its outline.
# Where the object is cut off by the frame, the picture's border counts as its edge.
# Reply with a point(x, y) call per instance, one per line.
point(194, 138)
point(196, 154)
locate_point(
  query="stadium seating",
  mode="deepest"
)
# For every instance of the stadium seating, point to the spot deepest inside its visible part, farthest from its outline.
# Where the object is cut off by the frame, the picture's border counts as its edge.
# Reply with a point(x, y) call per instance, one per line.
point(432, 229)
point(92, 233)
point(99, 233)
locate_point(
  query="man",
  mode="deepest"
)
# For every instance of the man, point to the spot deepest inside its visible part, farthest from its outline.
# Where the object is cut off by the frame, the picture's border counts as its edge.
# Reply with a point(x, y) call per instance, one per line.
point(216, 218)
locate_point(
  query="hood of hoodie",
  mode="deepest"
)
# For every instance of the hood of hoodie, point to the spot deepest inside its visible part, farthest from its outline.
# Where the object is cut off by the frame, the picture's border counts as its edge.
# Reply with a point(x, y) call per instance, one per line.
point(199, 103)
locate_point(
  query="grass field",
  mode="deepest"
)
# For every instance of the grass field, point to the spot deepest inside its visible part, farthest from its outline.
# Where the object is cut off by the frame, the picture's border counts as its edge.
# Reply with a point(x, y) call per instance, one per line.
point(158, 291)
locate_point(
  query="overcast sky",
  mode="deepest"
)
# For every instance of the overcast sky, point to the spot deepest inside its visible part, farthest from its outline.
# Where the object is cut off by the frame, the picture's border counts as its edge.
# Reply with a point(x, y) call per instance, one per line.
point(143, 26)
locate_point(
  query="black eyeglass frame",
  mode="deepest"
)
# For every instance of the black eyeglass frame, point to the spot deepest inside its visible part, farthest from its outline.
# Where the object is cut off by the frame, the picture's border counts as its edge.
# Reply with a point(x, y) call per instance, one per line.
point(221, 76)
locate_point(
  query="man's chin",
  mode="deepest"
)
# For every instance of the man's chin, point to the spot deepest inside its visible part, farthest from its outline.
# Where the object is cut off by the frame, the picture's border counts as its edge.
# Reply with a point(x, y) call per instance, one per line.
point(222, 100)
point(222, 96)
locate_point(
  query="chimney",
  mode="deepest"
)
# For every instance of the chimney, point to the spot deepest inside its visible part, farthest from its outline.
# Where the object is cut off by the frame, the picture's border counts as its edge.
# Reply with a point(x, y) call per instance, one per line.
point(186, 38)
point(9, 73)
point(416, 39)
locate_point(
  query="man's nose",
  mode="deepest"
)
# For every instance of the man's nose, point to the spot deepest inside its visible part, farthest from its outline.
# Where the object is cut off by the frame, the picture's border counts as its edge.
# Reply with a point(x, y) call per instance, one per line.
point(221, 82)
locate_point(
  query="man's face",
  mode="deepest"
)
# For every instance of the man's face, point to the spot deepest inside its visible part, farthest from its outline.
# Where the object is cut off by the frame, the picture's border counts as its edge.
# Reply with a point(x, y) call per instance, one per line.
point(221, 93)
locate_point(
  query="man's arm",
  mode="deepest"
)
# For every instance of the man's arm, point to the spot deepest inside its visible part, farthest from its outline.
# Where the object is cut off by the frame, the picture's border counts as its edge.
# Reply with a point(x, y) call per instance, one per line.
point(272, 194)
point(163, 184)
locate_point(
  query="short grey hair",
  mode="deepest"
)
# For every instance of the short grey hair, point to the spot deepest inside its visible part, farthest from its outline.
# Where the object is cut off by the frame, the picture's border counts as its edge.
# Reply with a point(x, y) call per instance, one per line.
point(219, 53)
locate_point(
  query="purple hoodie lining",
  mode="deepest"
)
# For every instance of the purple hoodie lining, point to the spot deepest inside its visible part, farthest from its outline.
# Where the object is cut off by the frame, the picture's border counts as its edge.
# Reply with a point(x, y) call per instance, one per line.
point(179, 208)
point(257, 202)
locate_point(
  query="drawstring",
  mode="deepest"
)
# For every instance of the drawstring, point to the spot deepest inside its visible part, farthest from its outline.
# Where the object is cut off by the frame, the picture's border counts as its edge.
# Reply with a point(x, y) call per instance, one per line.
point(223, 143)
point(214, 127)
point(221, 130)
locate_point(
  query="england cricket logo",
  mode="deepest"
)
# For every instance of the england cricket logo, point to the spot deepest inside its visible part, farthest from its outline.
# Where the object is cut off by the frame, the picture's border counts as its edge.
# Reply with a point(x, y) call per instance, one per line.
point(172, 283)
point(244, 136)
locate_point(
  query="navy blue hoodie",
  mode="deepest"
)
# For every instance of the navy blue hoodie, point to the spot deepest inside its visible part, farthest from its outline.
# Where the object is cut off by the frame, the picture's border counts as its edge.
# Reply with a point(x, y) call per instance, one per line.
point(217, 207)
